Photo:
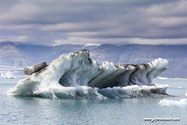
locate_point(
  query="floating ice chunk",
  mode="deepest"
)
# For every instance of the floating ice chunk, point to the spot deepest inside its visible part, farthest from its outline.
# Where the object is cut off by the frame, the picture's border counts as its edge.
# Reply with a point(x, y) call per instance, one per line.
point(162, 78)
point(8, 75)
point(182, 102)
point(75, 75)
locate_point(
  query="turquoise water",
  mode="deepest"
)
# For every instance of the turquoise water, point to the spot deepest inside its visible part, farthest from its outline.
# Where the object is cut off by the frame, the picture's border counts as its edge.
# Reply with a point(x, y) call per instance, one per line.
point(35, 110)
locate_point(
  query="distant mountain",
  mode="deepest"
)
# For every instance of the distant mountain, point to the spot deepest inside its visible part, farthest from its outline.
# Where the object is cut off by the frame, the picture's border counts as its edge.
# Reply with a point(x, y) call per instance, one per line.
point(10, 55)
point(24, 55)
point(41, 53)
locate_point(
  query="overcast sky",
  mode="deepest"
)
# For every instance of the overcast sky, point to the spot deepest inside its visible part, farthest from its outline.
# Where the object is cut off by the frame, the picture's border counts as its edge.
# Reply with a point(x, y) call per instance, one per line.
point(54, 22)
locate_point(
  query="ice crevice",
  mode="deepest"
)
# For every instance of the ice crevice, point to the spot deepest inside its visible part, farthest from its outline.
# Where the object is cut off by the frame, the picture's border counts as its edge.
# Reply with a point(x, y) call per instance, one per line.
point(75, 75)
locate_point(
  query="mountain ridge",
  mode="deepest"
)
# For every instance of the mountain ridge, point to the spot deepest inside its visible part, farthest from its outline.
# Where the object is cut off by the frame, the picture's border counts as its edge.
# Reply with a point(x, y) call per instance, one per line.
point(10, 55)
point(126, 54)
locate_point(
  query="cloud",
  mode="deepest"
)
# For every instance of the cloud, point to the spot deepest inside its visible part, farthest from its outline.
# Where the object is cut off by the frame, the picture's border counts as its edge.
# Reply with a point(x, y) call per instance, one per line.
point(22, 38)
point(83, 40)
point(83, 21)
point(169, 9)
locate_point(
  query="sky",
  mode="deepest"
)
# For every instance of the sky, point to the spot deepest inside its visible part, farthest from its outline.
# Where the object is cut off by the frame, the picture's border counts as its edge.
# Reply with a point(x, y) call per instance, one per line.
point(56, 22)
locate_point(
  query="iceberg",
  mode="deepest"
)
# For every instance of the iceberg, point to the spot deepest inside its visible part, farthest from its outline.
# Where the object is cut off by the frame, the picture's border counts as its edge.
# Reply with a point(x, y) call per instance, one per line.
point(163, 78)
point(8, 75)
point(75, 75)
point(182, 102)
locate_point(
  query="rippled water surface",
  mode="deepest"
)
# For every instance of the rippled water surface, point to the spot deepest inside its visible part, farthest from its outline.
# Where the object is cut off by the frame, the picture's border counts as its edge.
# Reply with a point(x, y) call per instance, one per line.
point(35, 110)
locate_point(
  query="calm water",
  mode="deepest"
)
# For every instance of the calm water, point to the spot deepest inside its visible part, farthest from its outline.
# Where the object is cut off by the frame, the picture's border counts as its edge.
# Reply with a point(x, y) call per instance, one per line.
point(35, 110)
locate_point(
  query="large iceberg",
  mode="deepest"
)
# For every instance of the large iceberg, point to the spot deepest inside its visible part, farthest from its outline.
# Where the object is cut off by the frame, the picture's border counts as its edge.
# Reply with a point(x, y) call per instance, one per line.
point(75, 75)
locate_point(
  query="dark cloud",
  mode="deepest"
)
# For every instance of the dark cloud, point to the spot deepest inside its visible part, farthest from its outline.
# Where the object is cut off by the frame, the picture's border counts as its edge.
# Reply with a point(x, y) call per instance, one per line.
point(93, 21)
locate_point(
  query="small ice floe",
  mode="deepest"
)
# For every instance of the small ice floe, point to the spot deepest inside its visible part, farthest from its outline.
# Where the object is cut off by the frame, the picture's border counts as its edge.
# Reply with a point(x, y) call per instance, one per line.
point(182, 102)
point(162, 78)
point(7, 75)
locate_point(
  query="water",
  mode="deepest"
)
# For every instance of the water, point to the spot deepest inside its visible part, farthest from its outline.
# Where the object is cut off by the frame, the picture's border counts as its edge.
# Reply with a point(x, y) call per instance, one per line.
point(35, 110)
